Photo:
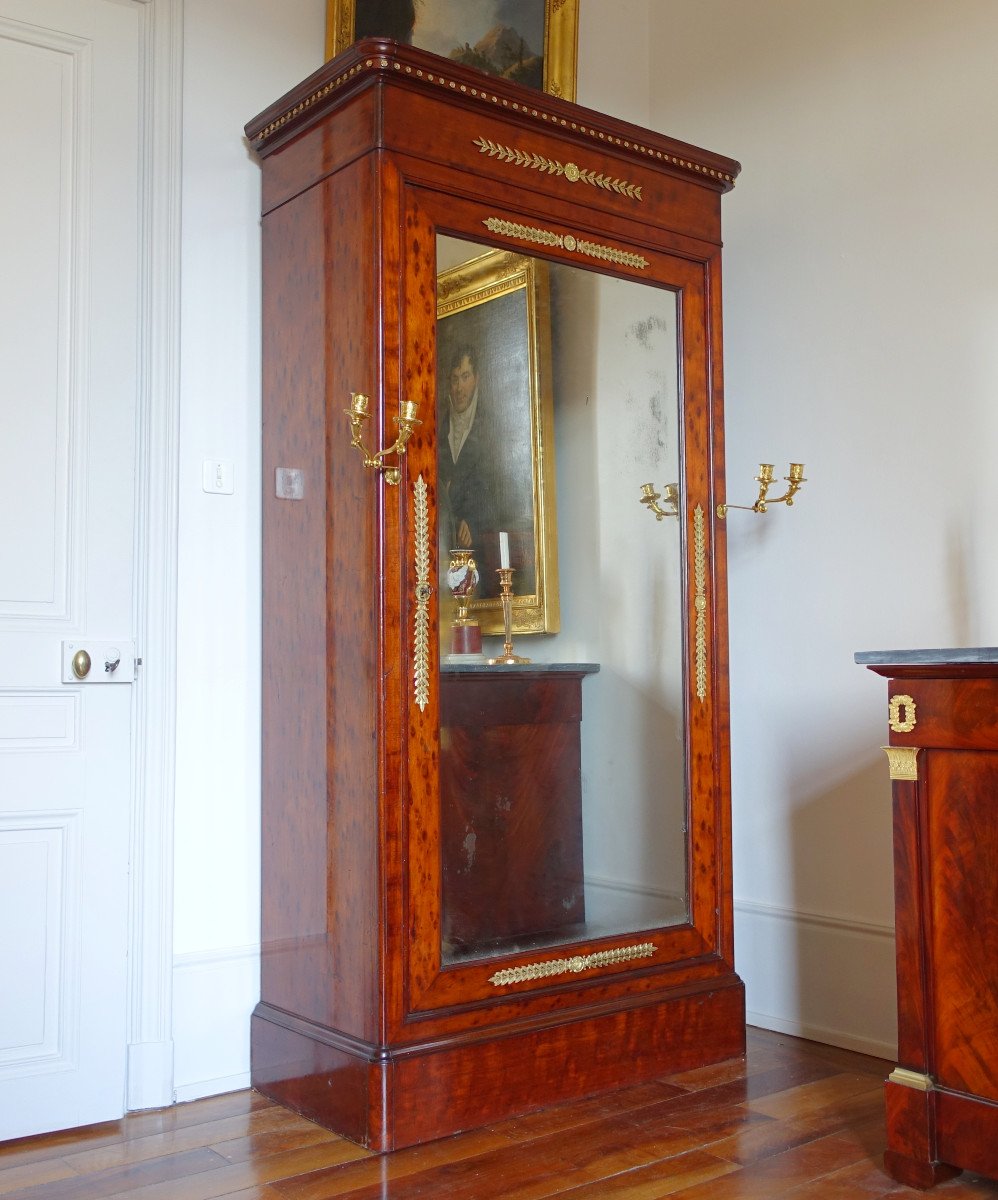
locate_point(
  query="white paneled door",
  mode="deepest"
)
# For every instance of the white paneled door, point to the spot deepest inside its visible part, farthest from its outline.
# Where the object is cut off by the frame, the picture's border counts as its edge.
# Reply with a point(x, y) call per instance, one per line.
point(69, 92)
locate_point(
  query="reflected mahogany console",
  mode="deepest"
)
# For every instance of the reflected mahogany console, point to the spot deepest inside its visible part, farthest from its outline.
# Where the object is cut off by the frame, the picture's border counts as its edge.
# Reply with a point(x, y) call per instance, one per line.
point(511, 802)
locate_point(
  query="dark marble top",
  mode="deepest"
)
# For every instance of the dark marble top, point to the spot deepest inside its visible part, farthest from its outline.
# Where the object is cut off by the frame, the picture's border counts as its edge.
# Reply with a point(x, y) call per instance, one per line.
point(926, 658)
point(535, 668)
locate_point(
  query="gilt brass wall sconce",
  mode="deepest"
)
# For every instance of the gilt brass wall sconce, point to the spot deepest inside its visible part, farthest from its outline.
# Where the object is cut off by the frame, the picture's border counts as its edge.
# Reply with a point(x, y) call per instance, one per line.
point(765, 481)
point(406, 421)
point(651, 498)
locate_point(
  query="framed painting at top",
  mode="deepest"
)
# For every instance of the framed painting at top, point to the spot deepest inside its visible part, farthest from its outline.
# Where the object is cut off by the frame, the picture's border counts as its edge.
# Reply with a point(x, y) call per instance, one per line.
point(529, 41)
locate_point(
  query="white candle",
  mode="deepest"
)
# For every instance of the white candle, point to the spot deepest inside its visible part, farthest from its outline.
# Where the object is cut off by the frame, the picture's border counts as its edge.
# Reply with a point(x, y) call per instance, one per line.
point(503, 550)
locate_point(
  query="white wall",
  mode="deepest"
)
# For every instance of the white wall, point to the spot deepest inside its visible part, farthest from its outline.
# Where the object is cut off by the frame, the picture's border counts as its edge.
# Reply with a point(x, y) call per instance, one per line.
point(239, 56)
point(861, 290)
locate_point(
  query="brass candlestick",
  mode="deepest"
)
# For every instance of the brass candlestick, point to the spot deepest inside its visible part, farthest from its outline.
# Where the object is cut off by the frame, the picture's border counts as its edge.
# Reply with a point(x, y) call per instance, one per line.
point(507, 658)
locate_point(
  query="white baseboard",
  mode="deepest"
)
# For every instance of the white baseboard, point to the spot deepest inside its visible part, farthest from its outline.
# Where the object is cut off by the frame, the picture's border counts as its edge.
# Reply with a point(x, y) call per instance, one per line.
point(818, 977)
point(210, 1087)
point(806, 975)
point(214, 996)
point(827, 1037)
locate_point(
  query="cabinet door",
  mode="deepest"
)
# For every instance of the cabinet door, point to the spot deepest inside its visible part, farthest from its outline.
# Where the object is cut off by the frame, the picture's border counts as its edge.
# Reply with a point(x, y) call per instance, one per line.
point(962, 852)
point(564, 820)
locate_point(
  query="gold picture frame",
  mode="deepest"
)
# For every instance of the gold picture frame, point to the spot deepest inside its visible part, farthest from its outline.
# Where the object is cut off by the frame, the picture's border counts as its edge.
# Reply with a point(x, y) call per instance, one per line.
point(494, 309)
point(558, 53)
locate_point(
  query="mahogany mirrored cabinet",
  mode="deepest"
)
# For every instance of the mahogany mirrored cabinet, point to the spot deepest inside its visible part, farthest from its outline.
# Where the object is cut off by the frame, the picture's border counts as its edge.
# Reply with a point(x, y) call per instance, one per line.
point(496, 814)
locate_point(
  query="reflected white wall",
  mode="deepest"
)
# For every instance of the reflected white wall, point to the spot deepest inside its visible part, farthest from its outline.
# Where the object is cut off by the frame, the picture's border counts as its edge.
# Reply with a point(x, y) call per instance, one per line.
point(617, 427)
point(861, 287)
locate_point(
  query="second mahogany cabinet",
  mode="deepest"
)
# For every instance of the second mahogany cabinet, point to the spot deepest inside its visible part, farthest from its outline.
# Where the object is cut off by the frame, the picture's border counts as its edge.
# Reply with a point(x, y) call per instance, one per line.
point(942, 1098)
point(489, 318)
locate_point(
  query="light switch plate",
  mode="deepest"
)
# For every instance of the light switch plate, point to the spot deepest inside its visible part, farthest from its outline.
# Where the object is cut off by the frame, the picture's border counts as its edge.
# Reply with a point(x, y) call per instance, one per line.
point(216, 476)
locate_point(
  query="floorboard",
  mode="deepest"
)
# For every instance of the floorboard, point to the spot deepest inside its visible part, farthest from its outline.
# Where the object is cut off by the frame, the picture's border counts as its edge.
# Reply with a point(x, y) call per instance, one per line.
point(794, 1121)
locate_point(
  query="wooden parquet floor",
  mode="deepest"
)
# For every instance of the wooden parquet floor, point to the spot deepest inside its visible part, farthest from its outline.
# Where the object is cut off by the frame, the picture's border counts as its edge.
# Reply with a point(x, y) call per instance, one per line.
point(794, 1120)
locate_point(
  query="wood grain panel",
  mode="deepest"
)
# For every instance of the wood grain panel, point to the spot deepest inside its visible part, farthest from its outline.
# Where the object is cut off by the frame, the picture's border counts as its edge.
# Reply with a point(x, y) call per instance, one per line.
point(954, 714)
point(942, 1103)
point(319, 755)
point(962, 791)
point(910, 904)
point(511, 808)
point(407, 114)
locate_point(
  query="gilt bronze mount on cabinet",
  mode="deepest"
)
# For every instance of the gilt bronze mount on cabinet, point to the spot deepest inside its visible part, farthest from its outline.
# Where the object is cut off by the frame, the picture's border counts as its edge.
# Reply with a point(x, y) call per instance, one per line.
point(487, 889)
point(406, 421)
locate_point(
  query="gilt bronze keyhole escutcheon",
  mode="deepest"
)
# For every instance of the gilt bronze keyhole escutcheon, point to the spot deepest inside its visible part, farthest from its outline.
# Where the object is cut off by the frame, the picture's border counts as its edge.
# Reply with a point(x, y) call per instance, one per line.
point(902, 714)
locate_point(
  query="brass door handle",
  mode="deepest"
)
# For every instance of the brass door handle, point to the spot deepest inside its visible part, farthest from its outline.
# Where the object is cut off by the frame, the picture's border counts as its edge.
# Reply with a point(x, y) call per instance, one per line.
point(81, 664)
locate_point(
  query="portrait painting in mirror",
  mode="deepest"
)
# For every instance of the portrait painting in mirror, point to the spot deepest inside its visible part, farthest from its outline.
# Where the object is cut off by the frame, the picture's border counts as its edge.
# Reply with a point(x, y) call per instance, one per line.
point(495, 432)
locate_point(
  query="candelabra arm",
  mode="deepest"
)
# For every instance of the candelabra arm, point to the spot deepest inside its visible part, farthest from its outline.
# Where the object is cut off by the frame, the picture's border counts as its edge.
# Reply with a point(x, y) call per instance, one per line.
point(722, 509)
point(788, 496)
point(405, 422)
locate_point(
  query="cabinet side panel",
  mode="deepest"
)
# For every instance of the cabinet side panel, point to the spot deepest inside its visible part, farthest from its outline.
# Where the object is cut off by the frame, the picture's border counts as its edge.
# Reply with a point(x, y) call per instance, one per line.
point(320, 151)
point(320, 635)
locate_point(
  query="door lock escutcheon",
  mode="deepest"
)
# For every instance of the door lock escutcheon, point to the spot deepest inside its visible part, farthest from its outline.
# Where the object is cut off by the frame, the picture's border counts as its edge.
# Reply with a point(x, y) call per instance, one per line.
point(90, 661)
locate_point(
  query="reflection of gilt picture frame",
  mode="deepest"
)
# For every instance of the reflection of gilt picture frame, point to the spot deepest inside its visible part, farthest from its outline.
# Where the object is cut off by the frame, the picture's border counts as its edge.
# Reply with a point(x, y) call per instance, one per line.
point(530, 41)
point(496, 455)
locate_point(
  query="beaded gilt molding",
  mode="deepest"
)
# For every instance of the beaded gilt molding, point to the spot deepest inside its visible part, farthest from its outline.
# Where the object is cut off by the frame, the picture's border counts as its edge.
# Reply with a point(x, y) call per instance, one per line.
point(564, 241)
point(573, 965)
point(487, 96)
point(551, 166)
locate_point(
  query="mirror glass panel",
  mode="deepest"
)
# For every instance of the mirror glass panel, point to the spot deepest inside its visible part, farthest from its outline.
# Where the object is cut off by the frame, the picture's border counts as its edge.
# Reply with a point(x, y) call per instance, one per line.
point(563, 779)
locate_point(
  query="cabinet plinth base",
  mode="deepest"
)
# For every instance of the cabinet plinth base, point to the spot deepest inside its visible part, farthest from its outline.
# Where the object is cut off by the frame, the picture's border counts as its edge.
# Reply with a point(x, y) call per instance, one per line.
point(387, 1098)
point(916, 1174)
point(935, 1134)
